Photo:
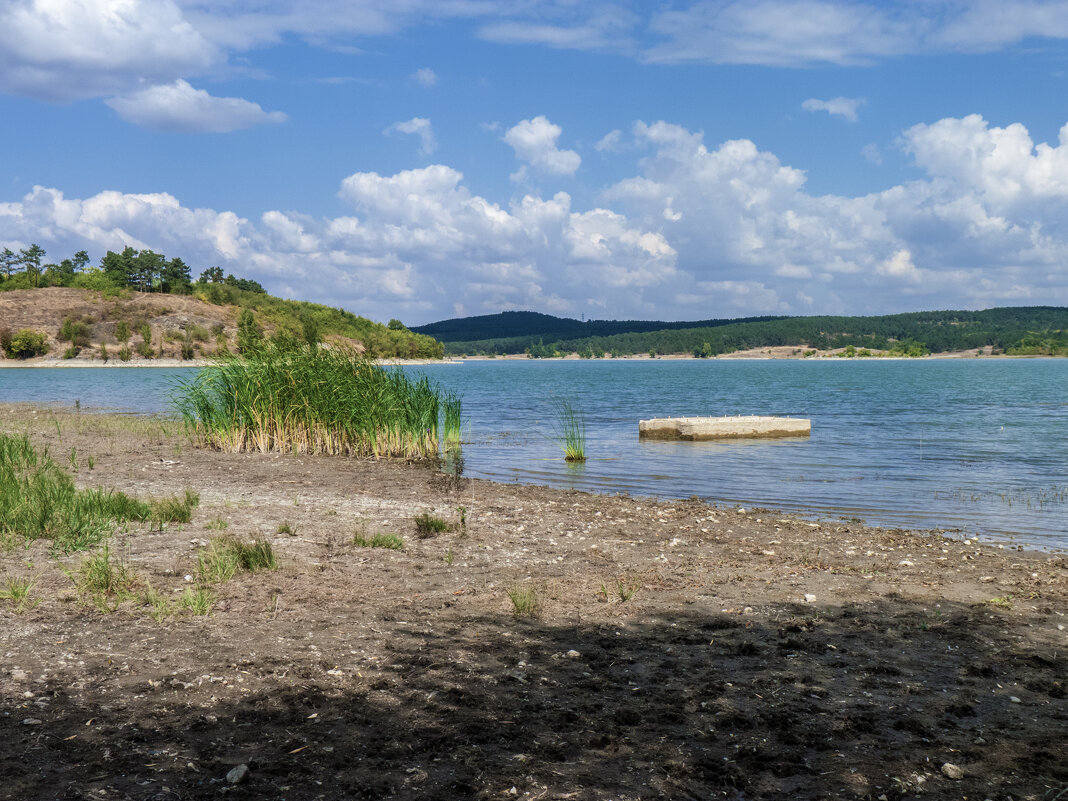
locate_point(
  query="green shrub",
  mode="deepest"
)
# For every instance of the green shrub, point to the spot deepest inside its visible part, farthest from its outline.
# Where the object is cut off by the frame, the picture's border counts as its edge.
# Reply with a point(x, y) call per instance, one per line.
point(26, 344)
point(427, 525)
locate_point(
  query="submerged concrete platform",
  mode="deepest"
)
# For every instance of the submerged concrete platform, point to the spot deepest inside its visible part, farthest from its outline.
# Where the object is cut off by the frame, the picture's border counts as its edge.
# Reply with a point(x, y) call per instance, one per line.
point(696, 429)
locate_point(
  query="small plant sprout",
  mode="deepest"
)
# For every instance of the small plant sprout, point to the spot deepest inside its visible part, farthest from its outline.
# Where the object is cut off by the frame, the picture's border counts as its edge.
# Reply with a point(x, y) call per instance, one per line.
point(449, 557)
point(463, 520)
point(17, 591)
point(524, 600)
point(285, 528)
point(89, 460)
point(73, 460)
point(426, 525)
point(626, 589)
point(571, 431)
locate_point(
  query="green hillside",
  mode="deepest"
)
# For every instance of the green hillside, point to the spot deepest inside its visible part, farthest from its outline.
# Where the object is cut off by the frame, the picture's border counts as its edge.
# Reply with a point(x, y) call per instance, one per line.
point(1030, 330)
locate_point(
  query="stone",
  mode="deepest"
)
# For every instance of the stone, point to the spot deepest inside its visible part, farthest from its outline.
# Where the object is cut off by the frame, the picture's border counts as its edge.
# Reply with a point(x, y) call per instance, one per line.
point(951, 771)
point(700, 429)
point(237, 775)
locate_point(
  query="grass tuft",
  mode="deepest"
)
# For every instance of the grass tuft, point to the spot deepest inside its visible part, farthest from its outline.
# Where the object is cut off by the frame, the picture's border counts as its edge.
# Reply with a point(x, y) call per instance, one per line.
point(226, 555)
point(38, 500)
point(175, 509)
point(18, 592)
point(106, 581)
point(391, 541)
point(524, 600)
point(426, 525)
point(197, 600)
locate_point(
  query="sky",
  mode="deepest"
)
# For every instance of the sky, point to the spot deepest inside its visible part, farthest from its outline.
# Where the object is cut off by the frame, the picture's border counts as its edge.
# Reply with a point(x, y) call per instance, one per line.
point(615, 159)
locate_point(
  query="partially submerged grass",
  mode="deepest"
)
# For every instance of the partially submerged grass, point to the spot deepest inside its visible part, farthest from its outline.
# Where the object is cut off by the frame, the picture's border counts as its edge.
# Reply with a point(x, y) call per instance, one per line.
point(391, 541)
point(571, 432)
point(294, 398)
point(452, 418)
point(39, 500)
point(226, 555)
point(17, 591)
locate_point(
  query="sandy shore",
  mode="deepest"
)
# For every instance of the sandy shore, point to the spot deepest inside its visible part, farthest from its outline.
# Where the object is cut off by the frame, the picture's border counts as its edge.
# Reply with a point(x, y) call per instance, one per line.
point(678, 650)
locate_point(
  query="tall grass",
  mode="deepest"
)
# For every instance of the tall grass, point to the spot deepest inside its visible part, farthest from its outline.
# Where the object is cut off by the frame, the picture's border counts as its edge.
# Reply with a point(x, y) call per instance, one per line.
point(293, 398)
point(452, 407)
point(571, 432)
point(38, 500)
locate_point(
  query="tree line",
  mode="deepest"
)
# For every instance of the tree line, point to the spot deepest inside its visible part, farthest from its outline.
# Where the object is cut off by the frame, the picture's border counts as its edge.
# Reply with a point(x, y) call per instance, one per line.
point(140, 270)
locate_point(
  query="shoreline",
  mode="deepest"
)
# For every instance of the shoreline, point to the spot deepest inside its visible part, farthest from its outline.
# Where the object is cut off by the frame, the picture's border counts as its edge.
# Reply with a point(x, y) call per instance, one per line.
point(676, 649)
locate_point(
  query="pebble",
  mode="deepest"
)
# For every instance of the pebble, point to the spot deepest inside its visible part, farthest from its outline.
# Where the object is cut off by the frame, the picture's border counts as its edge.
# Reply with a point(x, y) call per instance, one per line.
point(810, 599)
point(952, 771)
point(573, 654)
point(31, 722)
point(240, 773)
point(1015, 700)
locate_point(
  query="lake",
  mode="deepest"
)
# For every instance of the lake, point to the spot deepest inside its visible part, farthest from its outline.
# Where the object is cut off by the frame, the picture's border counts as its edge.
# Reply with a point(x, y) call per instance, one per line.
point(977, 445)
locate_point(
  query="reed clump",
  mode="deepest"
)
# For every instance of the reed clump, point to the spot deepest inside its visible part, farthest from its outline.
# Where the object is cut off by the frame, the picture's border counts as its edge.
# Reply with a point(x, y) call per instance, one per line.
point(571, 432)
point(290, 397)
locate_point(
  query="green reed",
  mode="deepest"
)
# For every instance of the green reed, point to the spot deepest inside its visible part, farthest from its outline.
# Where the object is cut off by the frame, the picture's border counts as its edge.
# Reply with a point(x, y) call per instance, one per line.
point(571, 432)
point(452, 408)
point(292, 398)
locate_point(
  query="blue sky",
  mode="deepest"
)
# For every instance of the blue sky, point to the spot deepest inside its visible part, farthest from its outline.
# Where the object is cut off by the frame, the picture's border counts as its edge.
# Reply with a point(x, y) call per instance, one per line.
point(675, 160)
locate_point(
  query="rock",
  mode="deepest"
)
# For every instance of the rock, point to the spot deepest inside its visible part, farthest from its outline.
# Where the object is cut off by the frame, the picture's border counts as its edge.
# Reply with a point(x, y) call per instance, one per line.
point(31, 722)
point(1013, 699)
point(951, 771)
point(240, 773)
point(573, 654)
point(810, 599)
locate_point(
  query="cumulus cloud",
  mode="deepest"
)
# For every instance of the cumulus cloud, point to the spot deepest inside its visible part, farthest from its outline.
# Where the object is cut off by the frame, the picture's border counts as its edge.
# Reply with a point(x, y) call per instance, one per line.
point(611, 142)
point(178, 107)
point(419, 126)
point(696, 231)
point(63, 51)
point(534, 141)
point(845, 107)
point(425, 77)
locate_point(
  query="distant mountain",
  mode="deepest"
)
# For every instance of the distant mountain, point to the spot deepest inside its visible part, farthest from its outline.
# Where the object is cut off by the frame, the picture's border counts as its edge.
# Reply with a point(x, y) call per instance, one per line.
point(1020, 330)
point(506, 325)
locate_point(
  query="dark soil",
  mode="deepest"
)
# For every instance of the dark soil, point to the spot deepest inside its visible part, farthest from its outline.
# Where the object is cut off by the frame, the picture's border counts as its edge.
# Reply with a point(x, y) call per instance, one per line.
point(679, 651)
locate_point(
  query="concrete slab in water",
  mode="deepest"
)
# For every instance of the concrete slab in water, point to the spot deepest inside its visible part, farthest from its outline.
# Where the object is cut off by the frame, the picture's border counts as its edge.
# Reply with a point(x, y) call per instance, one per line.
point(696, 429)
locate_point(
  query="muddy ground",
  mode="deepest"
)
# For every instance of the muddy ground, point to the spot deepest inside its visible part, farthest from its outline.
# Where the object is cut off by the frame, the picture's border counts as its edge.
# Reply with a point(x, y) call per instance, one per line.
point(679, 650)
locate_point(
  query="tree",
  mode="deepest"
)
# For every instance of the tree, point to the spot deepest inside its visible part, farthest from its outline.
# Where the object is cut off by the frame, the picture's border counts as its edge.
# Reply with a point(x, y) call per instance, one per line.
point(80, 260)
point(148, 267)
point(9, 262)
point(31, 259)
point(213, 275)
point(120, 267)
point(176, 277)
point(396, 325)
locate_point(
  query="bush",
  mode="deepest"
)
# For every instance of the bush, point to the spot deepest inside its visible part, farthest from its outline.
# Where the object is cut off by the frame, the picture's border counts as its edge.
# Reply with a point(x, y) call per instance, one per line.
point(26, 344)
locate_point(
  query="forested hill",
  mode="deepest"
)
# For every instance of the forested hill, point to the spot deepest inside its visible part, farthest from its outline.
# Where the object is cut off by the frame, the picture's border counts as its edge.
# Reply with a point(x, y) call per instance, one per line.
point(1014, 330)
point(511, 324)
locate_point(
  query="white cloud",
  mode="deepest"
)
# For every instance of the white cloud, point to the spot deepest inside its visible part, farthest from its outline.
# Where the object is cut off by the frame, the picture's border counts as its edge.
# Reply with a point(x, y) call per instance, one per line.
point(871, 153)
point(696, 231)
point(425, 77)
point(845, 107)
point(178, 107)
point(611, 142)
point(534, 141)
point(420, 126)
point(75, 49)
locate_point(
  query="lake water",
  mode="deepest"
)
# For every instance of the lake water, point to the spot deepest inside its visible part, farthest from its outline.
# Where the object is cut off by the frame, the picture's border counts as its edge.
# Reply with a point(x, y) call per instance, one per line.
point(975, 445)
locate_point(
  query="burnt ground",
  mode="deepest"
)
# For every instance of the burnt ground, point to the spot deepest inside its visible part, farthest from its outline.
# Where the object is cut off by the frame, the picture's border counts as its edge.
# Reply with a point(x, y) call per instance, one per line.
point(679, 650)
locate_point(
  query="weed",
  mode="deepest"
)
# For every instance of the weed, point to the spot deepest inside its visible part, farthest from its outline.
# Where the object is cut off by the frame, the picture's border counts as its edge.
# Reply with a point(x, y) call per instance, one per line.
point(175, 509)
point(199, 601)
point(226, 555)
point(158, 607)
point(218, 524)
point(18, 592)
point(107, 582)
point(625, 589)
point(524, 600)
point(285, 528)
point(391, 541)
point(449, 557)
point(1005, 601)
point(462, 510)
point(426, 525)
point(89, 460)
point(570, 432)
point(73, 459)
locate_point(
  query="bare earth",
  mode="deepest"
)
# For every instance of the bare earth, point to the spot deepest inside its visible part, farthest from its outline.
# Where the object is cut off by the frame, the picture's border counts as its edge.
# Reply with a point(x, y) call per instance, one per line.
point(757, 656)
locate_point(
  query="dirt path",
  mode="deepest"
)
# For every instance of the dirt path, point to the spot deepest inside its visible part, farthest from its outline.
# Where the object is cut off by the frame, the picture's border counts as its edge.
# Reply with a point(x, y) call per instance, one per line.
point(679, 650)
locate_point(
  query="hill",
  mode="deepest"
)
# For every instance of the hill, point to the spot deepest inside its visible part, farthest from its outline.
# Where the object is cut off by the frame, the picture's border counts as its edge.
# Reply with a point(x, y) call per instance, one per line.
point(1027, 330)
point(86, 325)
